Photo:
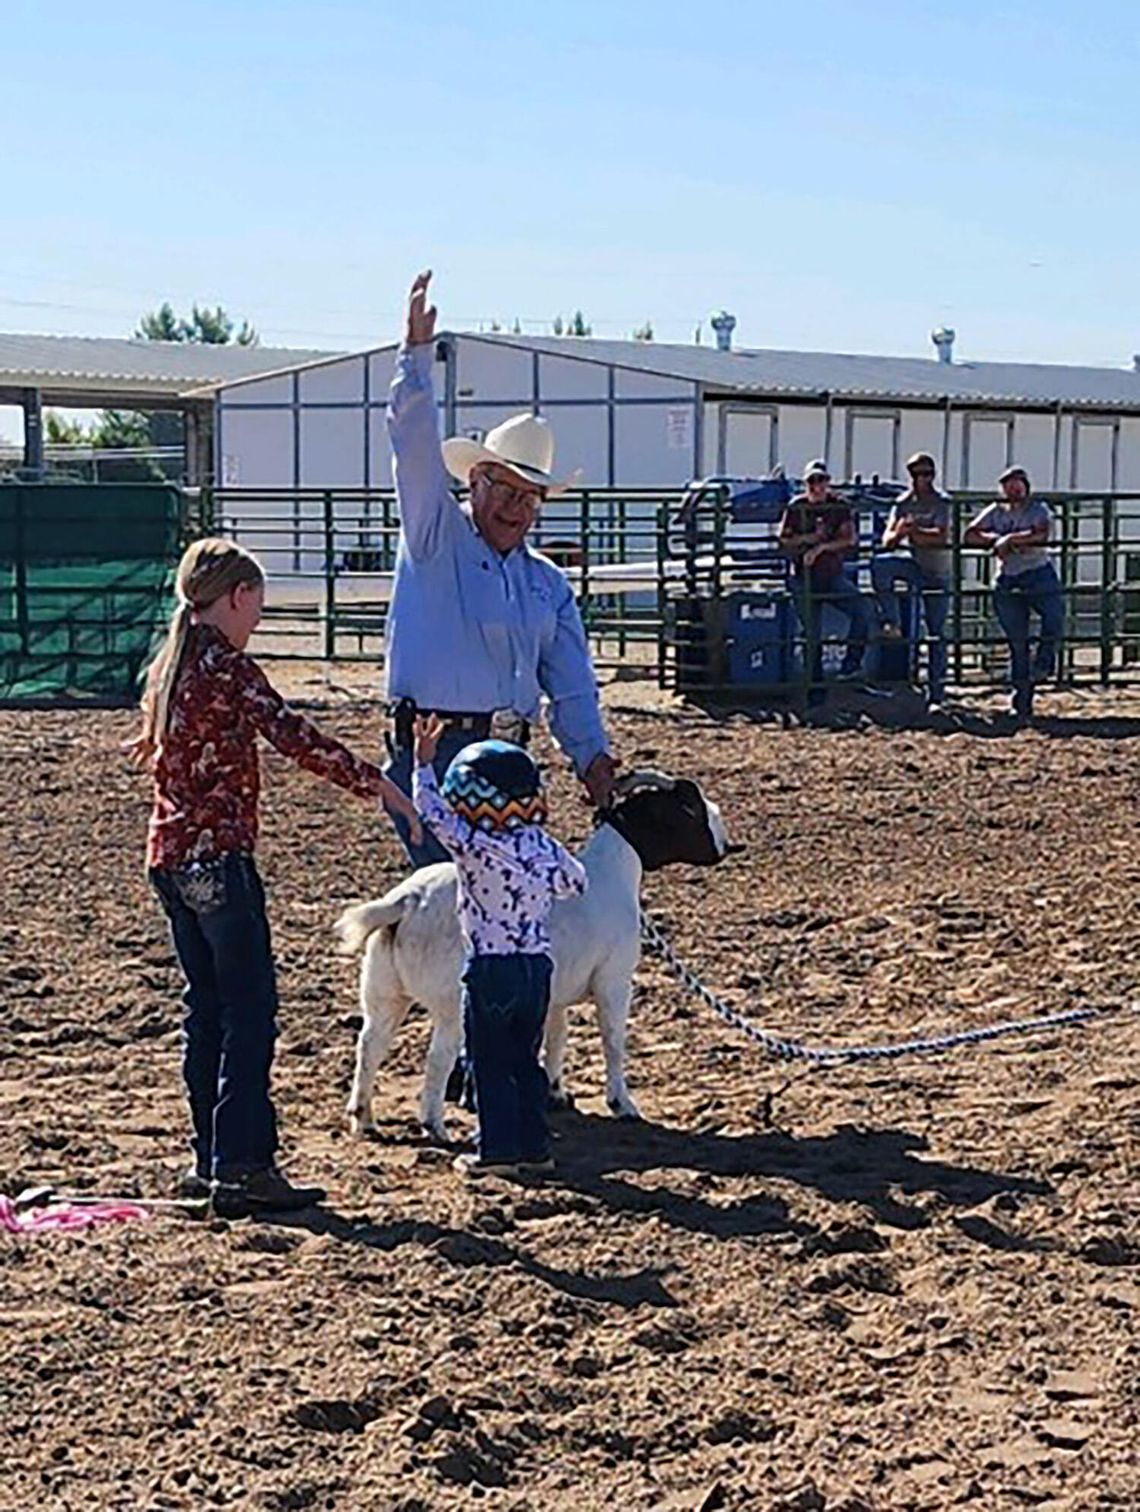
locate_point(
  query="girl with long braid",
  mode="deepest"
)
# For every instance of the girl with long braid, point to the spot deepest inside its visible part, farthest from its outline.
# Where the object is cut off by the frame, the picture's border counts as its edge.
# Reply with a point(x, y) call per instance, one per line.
point(206, 702)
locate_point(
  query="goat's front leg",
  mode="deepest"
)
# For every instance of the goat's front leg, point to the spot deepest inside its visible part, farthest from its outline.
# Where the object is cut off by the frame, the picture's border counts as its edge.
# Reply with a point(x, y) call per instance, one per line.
point(382, 1017)
point(611, 996)
point(554, 1056)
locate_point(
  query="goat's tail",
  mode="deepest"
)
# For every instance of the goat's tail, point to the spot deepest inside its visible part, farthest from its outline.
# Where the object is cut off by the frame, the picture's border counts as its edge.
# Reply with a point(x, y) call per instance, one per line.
point(355, 924)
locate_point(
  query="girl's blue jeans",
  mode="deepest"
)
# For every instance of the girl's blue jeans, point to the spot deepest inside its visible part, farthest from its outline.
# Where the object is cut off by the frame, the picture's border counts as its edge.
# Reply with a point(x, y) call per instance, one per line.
point(216, 911)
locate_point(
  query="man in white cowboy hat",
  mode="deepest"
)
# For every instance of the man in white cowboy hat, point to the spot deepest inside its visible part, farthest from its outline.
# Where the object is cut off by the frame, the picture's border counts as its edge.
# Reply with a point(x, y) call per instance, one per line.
point(480, 626)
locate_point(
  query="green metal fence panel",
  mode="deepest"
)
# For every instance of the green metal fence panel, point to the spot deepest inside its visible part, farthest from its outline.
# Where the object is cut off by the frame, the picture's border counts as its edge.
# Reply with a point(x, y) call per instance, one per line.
point(330, 555)
point(656, 587)
point(85, 579)
point(706, 567)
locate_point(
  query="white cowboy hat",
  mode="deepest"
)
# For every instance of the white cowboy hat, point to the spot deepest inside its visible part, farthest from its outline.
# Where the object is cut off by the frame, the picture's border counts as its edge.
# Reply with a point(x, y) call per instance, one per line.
point(524, 444)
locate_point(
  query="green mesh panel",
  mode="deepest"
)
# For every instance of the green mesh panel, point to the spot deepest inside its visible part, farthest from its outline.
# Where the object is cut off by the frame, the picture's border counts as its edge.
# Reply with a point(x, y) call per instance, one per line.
point(85, 578)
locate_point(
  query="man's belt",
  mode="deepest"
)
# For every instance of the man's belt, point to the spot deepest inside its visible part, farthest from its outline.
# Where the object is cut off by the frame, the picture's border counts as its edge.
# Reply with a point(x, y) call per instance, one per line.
point(505, 724)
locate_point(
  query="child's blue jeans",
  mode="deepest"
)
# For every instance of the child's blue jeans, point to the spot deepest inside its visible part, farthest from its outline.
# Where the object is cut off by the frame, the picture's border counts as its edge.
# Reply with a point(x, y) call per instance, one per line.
point(505, 998)
point(217, 920)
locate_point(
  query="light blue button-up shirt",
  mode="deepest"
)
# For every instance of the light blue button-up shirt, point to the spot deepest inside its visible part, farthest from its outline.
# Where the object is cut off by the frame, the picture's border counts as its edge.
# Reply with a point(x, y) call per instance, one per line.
point(470, 630)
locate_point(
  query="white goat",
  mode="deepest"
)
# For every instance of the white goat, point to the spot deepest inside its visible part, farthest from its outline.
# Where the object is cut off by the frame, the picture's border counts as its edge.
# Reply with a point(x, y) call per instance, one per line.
point(413, 949)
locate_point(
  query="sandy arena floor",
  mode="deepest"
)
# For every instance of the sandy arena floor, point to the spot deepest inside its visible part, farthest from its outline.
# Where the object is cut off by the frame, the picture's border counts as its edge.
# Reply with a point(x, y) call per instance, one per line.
point(920, 1290)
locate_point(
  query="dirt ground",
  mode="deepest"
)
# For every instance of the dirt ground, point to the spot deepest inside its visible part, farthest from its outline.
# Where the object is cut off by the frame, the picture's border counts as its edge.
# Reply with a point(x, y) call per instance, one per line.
point(920, 1289)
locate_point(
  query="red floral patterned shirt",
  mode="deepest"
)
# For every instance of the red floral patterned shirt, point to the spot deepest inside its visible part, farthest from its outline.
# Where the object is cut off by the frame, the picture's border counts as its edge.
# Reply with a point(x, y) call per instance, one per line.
point(207, 778)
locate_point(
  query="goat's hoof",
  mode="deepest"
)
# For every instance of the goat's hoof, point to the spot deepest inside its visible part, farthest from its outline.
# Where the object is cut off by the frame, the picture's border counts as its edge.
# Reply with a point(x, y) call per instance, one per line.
point(437, 1132)
point(360, 1122)
point(624, 1107)
point(559, 1100)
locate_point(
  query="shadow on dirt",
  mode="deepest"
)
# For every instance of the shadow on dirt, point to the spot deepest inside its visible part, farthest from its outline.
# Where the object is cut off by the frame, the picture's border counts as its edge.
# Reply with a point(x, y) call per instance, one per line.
point(903, 710)
point(468, 1247)
point(599, 1161)
point(875, 1167)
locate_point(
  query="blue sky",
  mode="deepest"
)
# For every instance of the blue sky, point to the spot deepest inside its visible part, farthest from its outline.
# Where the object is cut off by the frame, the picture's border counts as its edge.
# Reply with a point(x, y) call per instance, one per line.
point(841, 176)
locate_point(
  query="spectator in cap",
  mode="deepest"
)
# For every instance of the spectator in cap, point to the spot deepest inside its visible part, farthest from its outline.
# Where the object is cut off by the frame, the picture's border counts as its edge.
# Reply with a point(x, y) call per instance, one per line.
point(1016, 528)
point(917, 552)
point(817, 534)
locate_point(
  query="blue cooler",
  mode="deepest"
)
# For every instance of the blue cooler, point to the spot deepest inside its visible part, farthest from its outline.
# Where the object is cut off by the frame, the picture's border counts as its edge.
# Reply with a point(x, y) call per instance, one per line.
point(759, 500)
point(758, 636)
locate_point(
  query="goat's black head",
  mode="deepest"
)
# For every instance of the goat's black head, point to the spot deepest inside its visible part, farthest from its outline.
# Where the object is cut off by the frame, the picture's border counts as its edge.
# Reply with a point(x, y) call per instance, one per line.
point(668, 819)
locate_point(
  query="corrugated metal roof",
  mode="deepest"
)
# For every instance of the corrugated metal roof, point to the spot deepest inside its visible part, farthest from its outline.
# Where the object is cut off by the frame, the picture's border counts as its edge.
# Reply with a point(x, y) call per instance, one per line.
point(853, 376)
point(846, 376)
point(80, 363)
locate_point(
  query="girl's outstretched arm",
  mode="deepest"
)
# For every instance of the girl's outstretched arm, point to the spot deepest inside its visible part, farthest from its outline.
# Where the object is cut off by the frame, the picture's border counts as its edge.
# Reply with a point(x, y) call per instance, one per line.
point(299, 739)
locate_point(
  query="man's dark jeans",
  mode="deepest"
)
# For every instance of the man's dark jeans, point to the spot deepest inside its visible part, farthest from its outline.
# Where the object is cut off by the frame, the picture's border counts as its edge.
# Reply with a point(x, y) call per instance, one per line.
point(430, 850)
point(1015, 598)
point(891, 568)
point(217, 920)
point(505, 998)
point(814, 590)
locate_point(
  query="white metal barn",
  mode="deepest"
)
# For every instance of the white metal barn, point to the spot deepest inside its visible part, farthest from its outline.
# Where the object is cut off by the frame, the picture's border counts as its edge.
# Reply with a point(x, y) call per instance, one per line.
point(648, 415)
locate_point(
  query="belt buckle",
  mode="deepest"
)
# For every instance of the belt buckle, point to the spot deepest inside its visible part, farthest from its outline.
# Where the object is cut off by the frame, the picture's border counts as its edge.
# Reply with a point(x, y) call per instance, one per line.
point(507, 725)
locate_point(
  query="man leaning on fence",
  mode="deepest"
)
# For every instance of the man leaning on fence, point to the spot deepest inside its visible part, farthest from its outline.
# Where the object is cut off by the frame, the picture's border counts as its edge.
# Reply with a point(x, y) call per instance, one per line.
point(480, 626)
point(1017, 528)
point(817, 533)
point(917, 553)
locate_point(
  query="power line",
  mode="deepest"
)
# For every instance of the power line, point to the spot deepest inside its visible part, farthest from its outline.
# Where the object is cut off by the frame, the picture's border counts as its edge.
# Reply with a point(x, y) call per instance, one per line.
point(529, 324)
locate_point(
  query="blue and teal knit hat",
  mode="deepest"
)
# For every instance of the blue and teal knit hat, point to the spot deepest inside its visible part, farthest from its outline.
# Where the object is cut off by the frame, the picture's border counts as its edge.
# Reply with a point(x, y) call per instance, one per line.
point(495, 786)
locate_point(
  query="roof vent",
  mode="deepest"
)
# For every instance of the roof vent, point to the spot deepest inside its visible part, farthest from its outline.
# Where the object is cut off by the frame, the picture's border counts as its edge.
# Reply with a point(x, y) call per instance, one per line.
point(943, 339)
point(723, 324)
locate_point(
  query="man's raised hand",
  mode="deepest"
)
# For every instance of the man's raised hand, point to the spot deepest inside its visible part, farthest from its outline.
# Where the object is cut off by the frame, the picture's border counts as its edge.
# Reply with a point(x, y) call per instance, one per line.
point(421, 315)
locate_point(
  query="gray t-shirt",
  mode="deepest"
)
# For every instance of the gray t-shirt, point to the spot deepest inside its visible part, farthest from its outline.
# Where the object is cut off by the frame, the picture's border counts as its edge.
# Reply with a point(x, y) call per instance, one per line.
point(1005, 517)
point(931, 513)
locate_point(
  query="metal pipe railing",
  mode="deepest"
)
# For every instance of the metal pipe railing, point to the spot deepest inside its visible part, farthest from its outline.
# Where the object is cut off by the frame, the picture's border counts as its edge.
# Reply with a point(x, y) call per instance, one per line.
point(651, 585)
point(1096, 545)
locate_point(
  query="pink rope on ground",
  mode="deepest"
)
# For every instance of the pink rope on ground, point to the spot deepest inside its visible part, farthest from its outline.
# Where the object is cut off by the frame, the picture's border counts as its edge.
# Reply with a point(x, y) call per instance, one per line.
point(65, 1217)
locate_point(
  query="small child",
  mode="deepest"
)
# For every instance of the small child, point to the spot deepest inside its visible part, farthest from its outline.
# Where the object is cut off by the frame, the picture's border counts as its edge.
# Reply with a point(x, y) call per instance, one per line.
point(490, 816)
point(205, 704)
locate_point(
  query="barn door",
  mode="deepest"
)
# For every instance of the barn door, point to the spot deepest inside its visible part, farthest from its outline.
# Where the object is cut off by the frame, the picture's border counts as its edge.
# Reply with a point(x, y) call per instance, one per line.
point(872, 443)
point(1092, 467)
point(747, 440)
point(987, 448)
point(1095, 446)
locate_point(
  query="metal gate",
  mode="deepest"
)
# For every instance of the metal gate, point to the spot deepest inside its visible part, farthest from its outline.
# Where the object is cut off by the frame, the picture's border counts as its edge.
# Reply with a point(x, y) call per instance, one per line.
point(85, 578)
point(734, 628)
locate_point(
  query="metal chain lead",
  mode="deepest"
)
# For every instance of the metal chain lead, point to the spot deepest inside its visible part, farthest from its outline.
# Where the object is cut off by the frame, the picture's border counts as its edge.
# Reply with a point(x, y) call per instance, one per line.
point(838, 1055)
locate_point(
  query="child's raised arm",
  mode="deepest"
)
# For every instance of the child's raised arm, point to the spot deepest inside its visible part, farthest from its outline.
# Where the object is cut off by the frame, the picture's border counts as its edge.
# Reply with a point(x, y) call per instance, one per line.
point(448, 828)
